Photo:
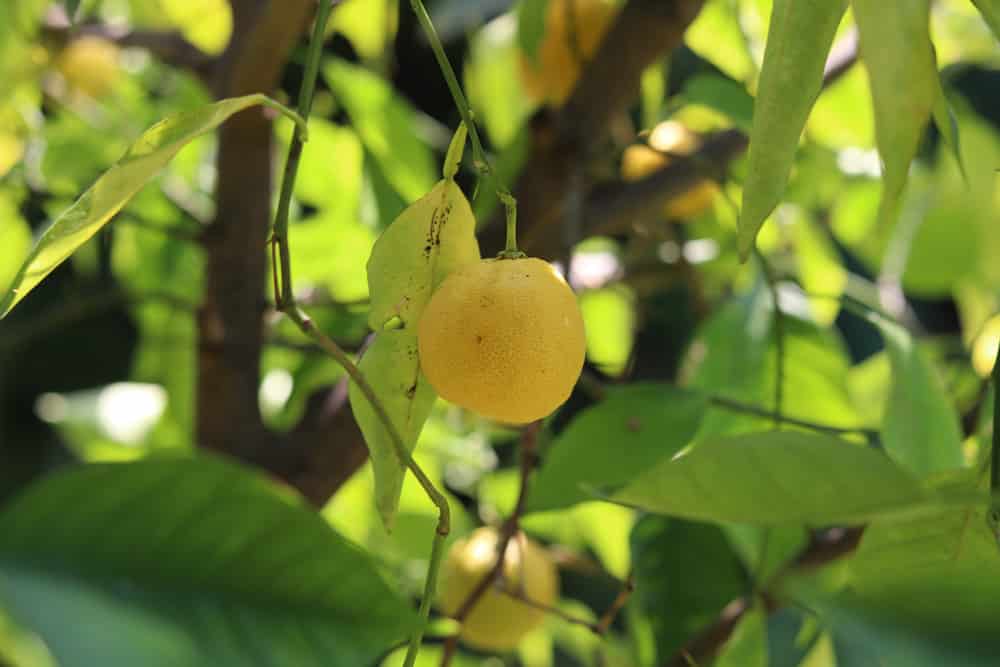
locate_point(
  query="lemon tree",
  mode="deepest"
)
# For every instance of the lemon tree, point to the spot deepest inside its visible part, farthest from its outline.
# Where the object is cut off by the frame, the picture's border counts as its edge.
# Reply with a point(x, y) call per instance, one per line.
point(454, 333)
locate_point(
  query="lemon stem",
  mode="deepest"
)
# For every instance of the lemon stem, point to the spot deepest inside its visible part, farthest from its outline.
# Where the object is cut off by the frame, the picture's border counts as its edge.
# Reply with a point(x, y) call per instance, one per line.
point(479, 157)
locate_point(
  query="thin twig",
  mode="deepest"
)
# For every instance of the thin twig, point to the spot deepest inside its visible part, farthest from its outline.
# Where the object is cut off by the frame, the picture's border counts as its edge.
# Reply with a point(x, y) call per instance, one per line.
point(529, 444)
point(617, 605)
point(521, 596)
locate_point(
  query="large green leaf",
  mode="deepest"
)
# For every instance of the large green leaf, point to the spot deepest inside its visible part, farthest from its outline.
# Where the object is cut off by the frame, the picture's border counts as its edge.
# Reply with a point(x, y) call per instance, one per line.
point(144, 159)
point(777, 477)
point(387, 125)
point(897, 51)
point(798, 42)
point(920, 429)
point(990, 9)
point(611, 443)
point(392, 368)
point(189, 562)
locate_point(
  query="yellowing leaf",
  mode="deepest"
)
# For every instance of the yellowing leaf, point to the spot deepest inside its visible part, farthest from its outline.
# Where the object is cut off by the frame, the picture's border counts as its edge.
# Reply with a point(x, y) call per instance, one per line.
point(392, 368)
point(430, 239)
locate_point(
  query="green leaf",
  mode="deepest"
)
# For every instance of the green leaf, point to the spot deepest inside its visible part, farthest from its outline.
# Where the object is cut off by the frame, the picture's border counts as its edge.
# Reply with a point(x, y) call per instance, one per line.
point(747, 647)
point(777, 477)
point(717, 36)
point(611, 443)
point(897, 51)
point(492, 75)
point(531, 26)
point(734, 356)
point(387, 125)
point(798, 41)
point(685, 574)
point(990, 9)
point(431, 238)
point(721, 94)
point(920, 429)
point(189, 562)
point(144, 159)
point(392, 368)
point(921, 592)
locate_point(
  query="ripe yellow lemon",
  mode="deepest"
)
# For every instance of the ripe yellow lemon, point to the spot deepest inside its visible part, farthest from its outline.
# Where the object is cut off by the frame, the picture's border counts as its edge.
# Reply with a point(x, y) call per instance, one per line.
point(498, 621)
point(573, 30)
point(89, 65)
point(503, 338)
point(669, 137)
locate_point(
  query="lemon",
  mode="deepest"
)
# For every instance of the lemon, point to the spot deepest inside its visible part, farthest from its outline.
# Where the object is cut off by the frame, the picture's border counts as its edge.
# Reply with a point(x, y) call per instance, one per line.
point(573, 30)
point(498, 621)
point(89, 65)
point(640, 160)
point(503, 338)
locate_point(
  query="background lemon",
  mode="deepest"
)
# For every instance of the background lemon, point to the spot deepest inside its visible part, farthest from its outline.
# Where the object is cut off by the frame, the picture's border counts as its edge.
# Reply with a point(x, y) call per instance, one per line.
point(573, 30)
point(669, 137)
point(504, 338)
point(498, 621)
point(89, 65)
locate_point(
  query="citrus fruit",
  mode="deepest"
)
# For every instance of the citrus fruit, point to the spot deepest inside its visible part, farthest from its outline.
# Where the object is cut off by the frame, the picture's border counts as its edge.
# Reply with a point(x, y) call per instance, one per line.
point(498, 621)
point(89, 65)
point(573, 30)
point(503, 338)
point(669, 138)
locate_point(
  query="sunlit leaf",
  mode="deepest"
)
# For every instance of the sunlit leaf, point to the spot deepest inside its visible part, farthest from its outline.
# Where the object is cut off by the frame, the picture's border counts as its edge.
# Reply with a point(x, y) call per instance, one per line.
point(369, 24)
point(798, 42)
point(716, 36)
point(920, 429)
point(777, 477)
point(645, 422)
point(392, 368)
point(387, 125)
point(896, 49)
point(610, 320)
point(187, 581)
point(147, 156)
point(990, 9)
point(207, 24)
point(493, 79)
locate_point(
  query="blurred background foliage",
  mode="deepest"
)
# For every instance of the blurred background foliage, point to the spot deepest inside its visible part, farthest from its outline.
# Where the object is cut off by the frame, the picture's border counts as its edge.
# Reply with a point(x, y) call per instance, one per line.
point(99, 364)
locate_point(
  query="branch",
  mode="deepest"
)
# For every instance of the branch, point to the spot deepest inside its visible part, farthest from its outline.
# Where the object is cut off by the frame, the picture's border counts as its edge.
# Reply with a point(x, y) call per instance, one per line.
point(230, 322)
point(611, 208)
point(644, 32)
point(169, 46)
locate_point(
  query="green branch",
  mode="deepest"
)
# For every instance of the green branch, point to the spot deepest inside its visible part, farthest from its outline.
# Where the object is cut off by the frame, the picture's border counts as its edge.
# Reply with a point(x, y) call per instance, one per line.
point(284, 298)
